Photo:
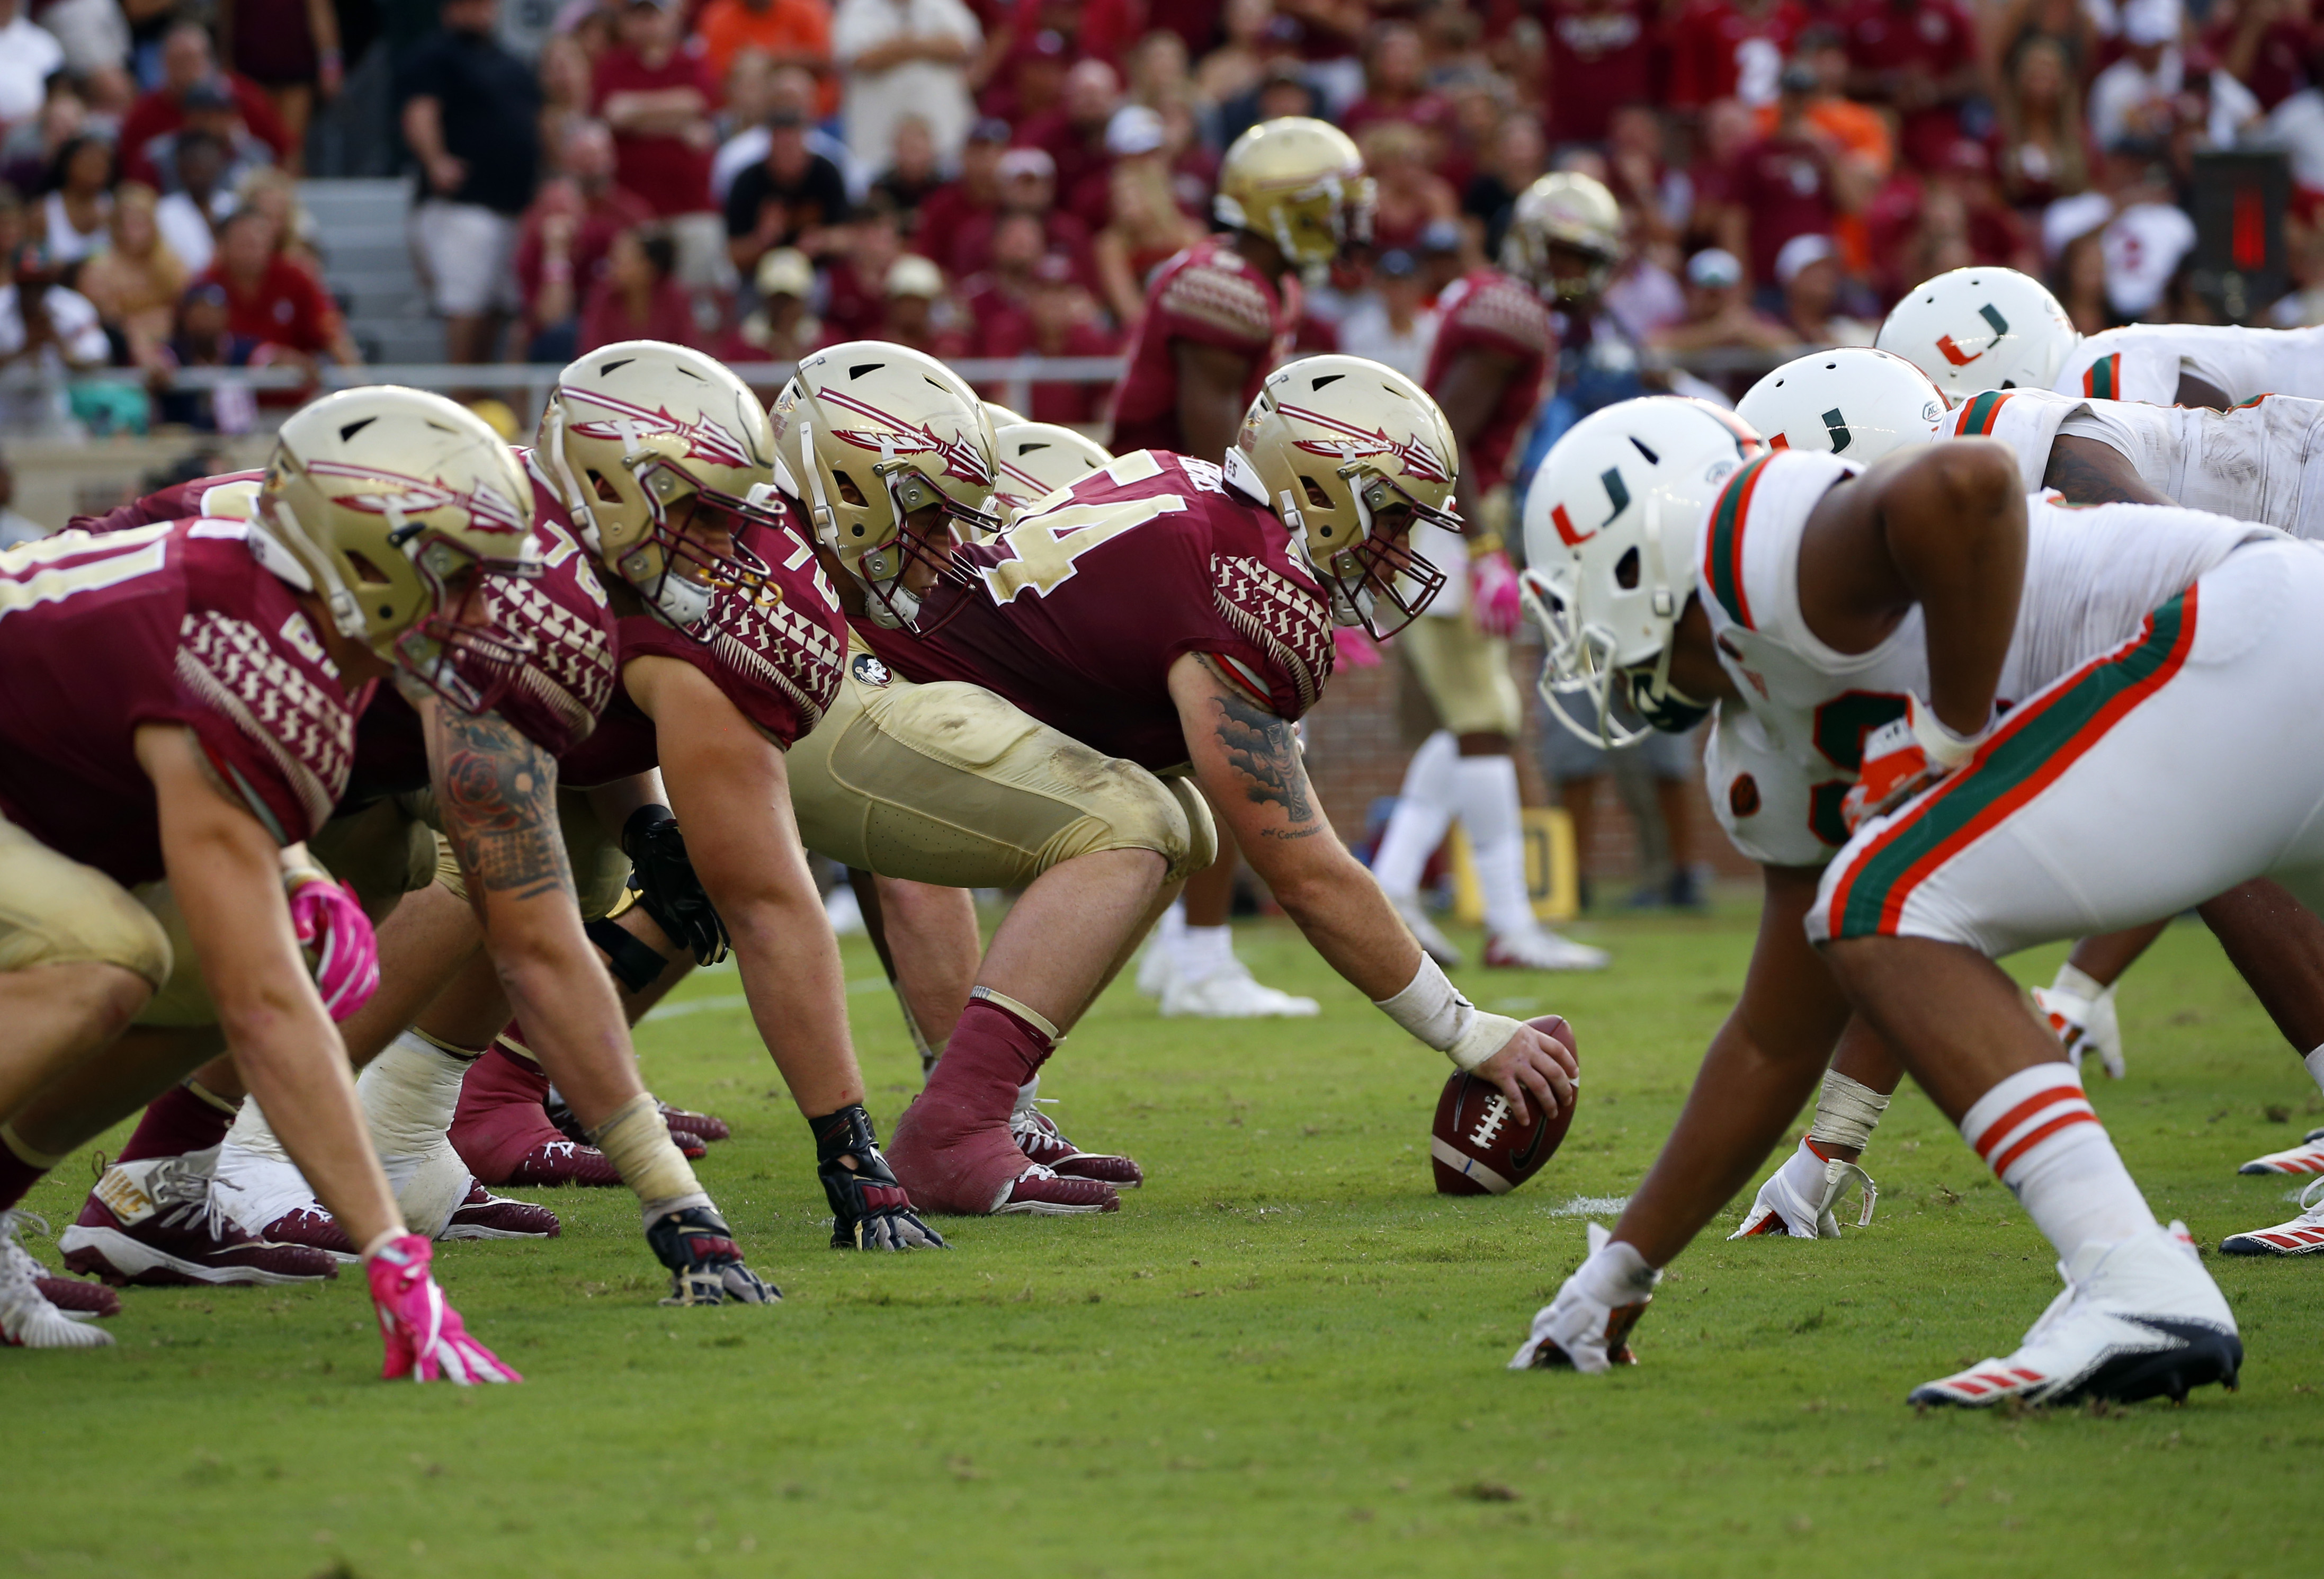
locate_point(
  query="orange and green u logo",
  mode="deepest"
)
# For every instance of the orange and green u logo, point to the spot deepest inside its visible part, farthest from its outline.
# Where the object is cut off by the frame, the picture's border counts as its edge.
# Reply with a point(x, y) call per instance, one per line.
point(2039, 741)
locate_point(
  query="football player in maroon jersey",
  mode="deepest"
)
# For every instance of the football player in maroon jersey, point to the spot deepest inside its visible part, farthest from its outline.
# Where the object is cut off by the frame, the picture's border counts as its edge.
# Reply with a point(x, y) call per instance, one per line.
point(205, 722)
point(1219, 317)
point(1159, 610)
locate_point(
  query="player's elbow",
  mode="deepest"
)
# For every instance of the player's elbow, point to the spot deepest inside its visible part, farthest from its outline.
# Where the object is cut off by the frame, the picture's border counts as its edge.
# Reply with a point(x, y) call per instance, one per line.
point(1969, 479)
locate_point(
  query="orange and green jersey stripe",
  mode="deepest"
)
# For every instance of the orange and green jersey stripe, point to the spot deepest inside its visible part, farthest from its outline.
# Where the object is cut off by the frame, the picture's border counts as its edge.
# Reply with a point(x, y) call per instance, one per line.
point(1722, 548)
point(2103, 381)
point(1977, 418)
point(2039, 741)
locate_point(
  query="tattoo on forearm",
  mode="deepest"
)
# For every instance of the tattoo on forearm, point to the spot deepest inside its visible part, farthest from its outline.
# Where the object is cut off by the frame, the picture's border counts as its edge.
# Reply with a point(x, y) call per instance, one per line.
point(1261, 747)
point(497, 794)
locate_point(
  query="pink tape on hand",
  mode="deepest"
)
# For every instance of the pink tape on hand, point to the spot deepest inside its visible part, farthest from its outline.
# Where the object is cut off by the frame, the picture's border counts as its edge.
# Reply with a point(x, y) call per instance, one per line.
point(1354, 649)
point(1493, 592)
point(423, 1334)
point(331, 925)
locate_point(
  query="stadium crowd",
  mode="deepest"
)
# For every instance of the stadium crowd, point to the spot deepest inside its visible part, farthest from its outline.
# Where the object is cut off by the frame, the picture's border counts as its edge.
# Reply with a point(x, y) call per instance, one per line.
point(991, 178)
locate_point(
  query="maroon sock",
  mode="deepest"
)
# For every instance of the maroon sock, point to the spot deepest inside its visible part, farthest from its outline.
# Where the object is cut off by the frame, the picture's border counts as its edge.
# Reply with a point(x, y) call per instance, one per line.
point(179, 1121)
point(991, 1052)
point(17, 1175)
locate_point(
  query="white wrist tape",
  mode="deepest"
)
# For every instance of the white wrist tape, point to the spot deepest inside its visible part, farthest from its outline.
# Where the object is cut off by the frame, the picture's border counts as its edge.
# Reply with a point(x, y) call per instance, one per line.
point(1433, 1010)
point(1942, 747)
point(636, 1140)
point(1847, 1111)
point(2076, 982)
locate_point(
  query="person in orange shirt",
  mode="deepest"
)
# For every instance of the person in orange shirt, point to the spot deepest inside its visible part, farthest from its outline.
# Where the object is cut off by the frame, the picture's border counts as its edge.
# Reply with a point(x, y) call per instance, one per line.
point(1852, 133)
point(788, 33)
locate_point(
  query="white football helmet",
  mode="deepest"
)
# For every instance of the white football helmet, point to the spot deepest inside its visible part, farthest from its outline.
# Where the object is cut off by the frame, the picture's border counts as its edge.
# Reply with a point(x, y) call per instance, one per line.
point(1854, 401)
point(1974, 329)
point(1612, 521)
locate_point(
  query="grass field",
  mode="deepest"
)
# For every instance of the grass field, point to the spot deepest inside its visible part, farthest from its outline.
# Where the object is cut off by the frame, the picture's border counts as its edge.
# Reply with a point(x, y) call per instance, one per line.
point(1283, 1356)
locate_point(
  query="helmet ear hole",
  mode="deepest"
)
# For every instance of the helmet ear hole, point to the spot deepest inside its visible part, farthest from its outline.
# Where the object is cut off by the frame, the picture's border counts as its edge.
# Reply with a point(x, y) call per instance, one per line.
point(849, 493)
point(1626, 571)
point(602, 488)
point(365, 570)
point(1316, 494)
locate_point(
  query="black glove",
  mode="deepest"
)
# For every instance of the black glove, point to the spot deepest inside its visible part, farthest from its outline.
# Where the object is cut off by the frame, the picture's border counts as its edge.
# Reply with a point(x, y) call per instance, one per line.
point(706, 1266)
point(869, 1208)
point(667, 889)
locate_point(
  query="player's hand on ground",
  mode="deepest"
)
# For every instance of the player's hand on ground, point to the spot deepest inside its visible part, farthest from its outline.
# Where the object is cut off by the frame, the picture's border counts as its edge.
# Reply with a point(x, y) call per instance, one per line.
point(869, 1208)
point(705, 1265)
point(423, 1333)
point(336, 935)
point(1531, 1065)
point(1493, 592)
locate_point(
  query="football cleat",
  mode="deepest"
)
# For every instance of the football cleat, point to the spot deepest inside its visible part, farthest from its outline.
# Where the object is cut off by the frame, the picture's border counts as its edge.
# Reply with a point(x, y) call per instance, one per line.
point(485, 1215)
point(2307, 1156)
point(2084, 1021)
point(76, 1298)
point(706, 1266)
point(1230, 992)
point(1040, 1141)
point(956, 1163)
point(29, 1319)
point(691, 1130)
point(1588, 1325)
point(155, 1222)
point(2139, 1318)
point(1041, 1192)
point(1433, 942)
point(2303, 1235)
point(1154, 967)
point(870, 1210)
point(1538, 948)
point(1784, 1207)
point(502, 1129)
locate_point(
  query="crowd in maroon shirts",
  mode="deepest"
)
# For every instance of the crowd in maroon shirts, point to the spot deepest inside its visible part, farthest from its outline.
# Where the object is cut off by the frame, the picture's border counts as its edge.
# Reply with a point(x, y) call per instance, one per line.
point(991, 178)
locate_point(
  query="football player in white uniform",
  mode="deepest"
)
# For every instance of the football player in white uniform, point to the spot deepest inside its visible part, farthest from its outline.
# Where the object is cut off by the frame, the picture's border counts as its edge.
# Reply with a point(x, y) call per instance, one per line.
point(1856, 631)
point(2252, 464)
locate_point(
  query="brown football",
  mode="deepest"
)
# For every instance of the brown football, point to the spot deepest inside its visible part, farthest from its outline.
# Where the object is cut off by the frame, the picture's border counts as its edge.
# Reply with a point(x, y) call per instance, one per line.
point(1476, 1147)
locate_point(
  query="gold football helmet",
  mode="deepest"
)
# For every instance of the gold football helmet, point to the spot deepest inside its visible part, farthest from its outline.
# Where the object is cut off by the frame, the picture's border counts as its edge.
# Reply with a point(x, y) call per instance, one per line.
point(867, 434)
point(1349, 454)
point(1300, 183)
point(1564, 209)
point(656, 450)
point(388, 502)
point(1037, 458)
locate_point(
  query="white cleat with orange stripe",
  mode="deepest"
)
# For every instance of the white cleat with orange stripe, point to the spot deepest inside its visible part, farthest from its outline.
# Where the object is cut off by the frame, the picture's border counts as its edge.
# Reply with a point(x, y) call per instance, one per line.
point(2140, 1318)
point(2303, 1235)
point(2307, 1156)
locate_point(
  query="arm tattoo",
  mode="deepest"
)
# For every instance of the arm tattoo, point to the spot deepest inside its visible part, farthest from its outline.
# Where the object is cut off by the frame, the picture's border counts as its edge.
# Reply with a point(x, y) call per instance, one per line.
point(496, 792)
point(2088, 472)
point(1260, 745)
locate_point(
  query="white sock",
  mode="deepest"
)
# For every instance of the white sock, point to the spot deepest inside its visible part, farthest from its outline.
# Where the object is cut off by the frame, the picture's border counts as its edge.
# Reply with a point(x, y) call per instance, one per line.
point(1423, 811)
point(1170, 931)
point(252, 1132)
point(2315, 1062)
point(1485, 798)
point(408, 1094)
point(1204, 950)
point(2037, 1131)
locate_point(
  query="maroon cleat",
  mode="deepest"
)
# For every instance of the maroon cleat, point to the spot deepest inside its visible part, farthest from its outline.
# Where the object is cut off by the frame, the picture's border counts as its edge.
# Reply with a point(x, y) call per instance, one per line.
point(683, 1124)
point(502, 1128)
point(76, 1297)
point(315, 1228)
point(1039, 1138)
point(951, 1163)
point(152, 1222)
point(484, 1215)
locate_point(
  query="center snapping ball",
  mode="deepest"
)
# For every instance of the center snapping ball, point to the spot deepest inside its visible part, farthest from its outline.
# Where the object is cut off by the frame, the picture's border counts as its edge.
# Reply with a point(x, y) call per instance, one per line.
point(1476, 1146)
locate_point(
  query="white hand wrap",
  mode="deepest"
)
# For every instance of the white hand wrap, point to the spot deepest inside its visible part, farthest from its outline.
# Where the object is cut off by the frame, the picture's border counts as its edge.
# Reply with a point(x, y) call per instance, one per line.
point(1944, 750)
point(1847, 1112)
point(1432, 1008)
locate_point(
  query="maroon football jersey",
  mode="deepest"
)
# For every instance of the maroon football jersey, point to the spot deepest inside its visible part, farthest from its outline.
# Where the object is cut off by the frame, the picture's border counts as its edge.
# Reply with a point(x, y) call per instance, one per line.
point(171, 622)
point(1486, 311)
point(1079, 611)
point(777, 656)
point(178, 501)
point(1209, 294)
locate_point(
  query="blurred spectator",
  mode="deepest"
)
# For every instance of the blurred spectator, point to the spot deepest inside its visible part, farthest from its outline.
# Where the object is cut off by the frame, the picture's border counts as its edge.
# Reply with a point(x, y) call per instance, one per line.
point(1853, 131)
point(637, 297)
point(566, 87)
point(1062, 321)
point(187, 60)
point(2069, 25)
point(901, 58)
point(1657, 198)
point(564, 237)
point(2044, 145)
point(1395, 84)
point(1029, 185)
point(1134, 134)
point(2214, 110)
point(1283, 90)
point(1412, 196)
point(1785, 185)
point(14, 528)
point(1646, 298)
point(855, 281)
point(655, 92)
point(1028, 79)
point(783, 329)
point(1146, 230)
point(2142, 235)
point(917, 312)
point(47, 325)
point(1328, 35)
point(1719, 314)
point(136, 280)
point(77, 198)
point(1393, 324)
point(274, 194)
point(190, 214)
point(1727, 128)
point(1602, 55)
point(29, 56)
point(28, 150)
point(204, 337)
point(912, 177)
point(290, 48)
point(471, 118)
point(998, 300)
point(2136, 96)
point(2080, 279)
point(1920, 59)
point(789, 88)
point(2270, 46)
point(1516, 160)
point(792, 197)
point(207, 110)
point(1808, 272)
point(973, 194)
point(1074, 133)
point(1234, 70)
point(95, 36)
point(1160, 70)
point(272, 300)
point(1730, 49)
point(787, 32)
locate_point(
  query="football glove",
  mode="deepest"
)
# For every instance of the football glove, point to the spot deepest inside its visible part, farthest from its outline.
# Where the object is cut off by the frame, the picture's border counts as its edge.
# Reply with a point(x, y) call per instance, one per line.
point(1902, 758)
point(424, 1337)
point(663, 878)
point(869, 1209)
point(2082, 1014)
point(337, 937)
point(1588, 1325)
point(705, 1265)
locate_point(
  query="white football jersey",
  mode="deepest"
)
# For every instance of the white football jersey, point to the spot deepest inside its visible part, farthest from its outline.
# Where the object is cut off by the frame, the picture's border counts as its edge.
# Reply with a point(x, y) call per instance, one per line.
point(2143, 362)
point(2263, 461)
point(1778, 766)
